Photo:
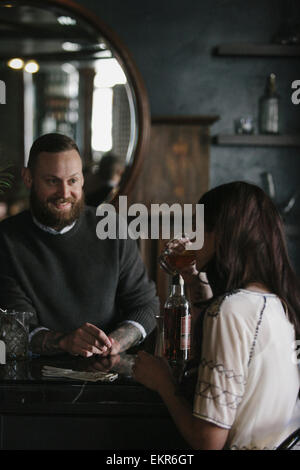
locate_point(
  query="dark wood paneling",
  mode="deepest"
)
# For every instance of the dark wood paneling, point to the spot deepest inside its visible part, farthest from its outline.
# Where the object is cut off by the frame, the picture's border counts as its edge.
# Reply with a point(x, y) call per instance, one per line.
point(176, 168)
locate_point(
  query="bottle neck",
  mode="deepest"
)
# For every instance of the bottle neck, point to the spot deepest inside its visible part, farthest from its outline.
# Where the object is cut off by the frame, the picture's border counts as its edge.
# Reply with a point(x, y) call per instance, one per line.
point(177, 289)
point(271, 86)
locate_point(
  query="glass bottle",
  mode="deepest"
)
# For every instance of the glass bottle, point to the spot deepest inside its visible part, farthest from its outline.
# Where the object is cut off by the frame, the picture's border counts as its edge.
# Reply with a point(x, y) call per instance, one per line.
point(159, 343)
point(177, 324)
point(269, 108)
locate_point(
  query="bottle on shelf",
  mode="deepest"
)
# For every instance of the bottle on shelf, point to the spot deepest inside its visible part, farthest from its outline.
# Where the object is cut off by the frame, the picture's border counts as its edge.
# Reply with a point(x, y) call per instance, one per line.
point(269, 108)
point(177, 324)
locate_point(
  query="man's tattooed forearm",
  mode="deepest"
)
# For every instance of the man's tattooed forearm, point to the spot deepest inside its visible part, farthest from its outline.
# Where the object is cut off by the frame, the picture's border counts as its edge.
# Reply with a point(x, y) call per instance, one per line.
point(127, 335)
point(46, 342)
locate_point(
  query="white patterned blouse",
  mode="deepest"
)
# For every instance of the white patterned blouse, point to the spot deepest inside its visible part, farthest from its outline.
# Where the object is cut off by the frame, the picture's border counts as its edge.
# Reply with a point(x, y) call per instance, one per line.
point(248, 377)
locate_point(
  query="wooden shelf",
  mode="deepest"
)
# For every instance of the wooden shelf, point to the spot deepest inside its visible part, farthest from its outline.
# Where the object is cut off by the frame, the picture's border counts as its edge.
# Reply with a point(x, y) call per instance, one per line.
point(200, 120)
point(258, 140)
point(257, 50)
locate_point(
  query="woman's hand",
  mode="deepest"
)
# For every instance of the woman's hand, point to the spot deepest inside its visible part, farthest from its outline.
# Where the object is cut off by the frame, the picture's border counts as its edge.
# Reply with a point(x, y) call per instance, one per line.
point(104, 364)
point(189, 273)
point(153, 372)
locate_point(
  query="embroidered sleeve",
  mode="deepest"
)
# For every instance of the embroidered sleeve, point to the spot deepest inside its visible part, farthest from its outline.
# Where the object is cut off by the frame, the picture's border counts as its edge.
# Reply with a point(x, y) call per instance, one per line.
point(222, 372)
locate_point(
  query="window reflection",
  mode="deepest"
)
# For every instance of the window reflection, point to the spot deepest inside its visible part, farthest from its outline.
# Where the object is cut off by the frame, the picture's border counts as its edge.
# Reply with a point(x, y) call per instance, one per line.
point(108, 74)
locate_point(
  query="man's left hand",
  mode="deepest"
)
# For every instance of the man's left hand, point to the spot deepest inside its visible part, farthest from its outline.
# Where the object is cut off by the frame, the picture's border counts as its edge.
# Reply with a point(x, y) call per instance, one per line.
point(123, 338)
point(114, 349)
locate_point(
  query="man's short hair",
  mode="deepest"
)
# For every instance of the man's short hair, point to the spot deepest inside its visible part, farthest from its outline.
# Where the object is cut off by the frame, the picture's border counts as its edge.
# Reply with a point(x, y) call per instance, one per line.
point(51, 143)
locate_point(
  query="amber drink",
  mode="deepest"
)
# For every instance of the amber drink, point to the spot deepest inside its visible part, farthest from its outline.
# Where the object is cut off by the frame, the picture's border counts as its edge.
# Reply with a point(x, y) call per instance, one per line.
point(173, 261)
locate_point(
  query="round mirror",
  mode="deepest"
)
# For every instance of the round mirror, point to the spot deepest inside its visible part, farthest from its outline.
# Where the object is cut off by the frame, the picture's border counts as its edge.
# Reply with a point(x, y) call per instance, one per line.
point(65, 71)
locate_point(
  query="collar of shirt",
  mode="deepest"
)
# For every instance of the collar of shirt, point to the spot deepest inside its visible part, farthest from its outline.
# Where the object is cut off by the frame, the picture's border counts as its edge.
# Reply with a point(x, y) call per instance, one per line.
point(52, 230)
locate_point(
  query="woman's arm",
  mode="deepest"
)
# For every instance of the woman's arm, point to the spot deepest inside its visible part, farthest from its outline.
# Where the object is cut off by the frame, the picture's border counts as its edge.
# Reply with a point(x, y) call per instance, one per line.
point(154, 373)
point(198, 290)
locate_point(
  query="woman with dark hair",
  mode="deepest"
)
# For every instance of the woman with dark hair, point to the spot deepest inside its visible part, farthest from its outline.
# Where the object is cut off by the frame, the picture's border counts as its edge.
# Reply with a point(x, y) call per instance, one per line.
point(246, 396)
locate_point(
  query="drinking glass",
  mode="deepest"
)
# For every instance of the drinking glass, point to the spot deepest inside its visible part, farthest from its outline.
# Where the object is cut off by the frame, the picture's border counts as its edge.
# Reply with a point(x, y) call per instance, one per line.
point(14, 332)
point(176, 257)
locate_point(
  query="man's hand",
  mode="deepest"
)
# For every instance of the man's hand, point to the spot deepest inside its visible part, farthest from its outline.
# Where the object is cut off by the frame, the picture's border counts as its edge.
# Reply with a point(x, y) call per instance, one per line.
point(123, 338)
point(104, 364)
point(86, 341)
point(89, 340)
point(120, 363)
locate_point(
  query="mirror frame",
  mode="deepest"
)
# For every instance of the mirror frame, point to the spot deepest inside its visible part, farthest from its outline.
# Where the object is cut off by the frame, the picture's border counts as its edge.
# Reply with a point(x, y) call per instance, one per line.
point(142, 103)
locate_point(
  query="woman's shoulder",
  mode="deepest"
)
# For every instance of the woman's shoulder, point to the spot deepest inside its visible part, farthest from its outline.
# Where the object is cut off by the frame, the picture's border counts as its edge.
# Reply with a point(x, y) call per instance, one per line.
point(234, 316)
point(239, 302)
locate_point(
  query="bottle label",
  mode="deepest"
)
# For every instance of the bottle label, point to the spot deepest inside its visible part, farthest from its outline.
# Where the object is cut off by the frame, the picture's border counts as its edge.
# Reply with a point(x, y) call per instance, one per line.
point(185, 333)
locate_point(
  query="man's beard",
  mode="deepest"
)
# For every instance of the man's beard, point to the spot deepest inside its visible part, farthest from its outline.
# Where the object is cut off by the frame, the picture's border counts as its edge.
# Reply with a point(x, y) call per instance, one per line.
point(48, 215)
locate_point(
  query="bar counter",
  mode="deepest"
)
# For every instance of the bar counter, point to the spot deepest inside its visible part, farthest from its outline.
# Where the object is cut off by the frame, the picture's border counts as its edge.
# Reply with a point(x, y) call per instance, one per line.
point(38, 412)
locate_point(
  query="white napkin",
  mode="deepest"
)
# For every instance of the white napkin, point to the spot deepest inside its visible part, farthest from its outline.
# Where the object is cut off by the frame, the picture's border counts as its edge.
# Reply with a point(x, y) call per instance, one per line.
point(49, 371)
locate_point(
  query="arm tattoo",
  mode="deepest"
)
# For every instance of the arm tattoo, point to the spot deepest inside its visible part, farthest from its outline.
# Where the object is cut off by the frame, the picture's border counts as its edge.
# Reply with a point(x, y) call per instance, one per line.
point(46, 342)
point(127, 335)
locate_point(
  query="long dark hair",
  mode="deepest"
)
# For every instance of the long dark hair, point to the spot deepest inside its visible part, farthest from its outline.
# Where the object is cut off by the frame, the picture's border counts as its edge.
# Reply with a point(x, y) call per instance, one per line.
point(250, 244)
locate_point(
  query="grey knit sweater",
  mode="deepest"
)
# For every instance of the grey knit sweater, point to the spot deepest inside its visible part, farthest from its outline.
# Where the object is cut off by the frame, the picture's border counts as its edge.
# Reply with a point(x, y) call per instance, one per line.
point(73, 278)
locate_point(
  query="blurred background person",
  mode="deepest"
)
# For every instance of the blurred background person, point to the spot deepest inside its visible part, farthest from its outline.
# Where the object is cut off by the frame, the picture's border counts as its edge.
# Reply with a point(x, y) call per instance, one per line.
point(106, 179)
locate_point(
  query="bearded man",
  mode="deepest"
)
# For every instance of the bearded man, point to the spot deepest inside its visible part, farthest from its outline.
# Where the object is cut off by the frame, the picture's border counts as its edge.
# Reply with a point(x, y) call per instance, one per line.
point(89, 296)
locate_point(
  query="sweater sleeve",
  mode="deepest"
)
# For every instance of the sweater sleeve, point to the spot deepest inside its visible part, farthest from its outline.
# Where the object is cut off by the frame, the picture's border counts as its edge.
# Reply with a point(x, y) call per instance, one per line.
point(136, 295)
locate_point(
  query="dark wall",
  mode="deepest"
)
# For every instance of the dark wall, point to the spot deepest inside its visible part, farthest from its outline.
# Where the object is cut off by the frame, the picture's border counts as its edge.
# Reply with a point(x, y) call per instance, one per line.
point(11, 142)
point(172, 42)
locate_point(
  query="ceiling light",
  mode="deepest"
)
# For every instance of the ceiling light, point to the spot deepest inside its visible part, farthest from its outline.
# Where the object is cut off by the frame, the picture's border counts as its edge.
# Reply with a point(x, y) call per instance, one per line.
point(70, 46)
point(16, 63)
point(32, 66)
point(66, 21)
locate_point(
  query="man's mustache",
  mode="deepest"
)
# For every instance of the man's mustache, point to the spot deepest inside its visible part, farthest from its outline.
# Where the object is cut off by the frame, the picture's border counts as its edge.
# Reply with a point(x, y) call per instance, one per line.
point(61, 200)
